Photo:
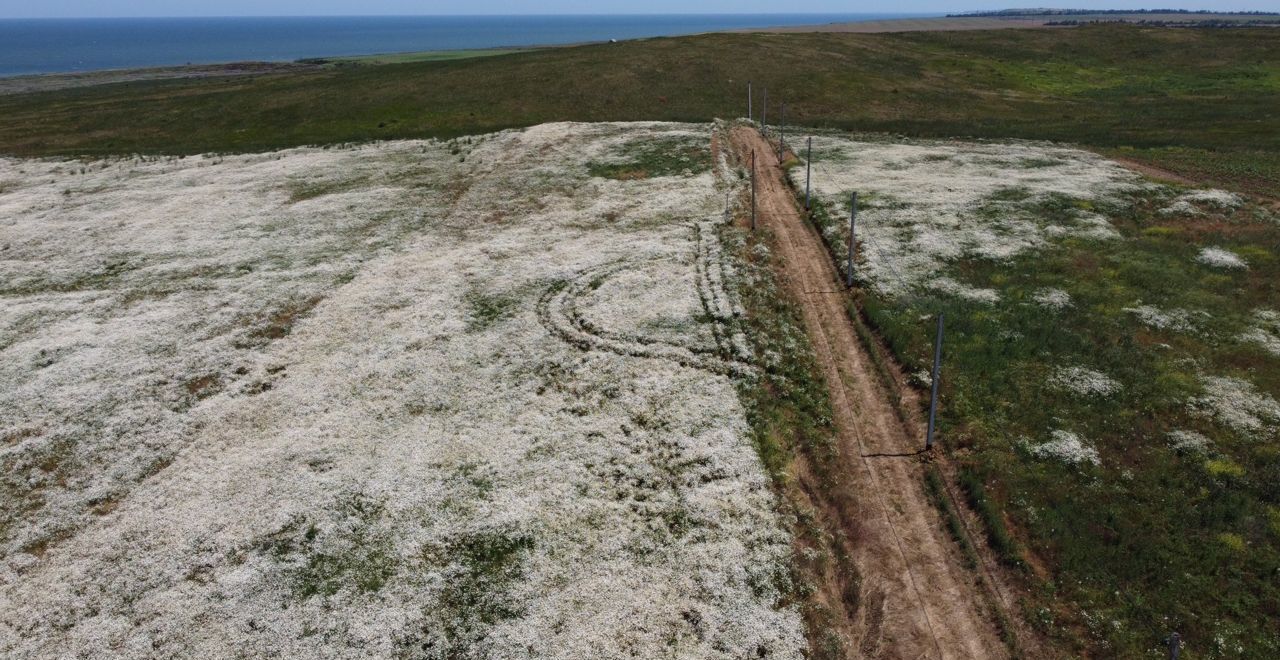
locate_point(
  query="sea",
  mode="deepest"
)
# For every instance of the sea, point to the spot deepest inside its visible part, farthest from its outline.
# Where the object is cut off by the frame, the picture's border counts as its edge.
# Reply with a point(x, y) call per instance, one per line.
point(34, 46)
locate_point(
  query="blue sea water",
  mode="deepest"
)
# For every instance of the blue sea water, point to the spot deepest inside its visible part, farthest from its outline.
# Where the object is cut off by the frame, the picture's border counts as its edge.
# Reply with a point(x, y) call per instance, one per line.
point(29, 46)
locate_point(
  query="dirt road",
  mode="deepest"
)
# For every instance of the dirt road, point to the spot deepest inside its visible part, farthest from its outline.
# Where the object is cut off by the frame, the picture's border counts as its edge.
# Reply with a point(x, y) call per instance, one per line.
point(916, 598)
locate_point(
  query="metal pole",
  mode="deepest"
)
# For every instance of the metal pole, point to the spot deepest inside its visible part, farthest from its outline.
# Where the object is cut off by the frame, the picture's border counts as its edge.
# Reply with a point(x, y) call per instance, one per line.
point(853, 237)
point(1175, 646)
point(933, 398)
point(753, 190)
point(782, 133)
point(764, 113)
point(751, 116)
point(808, 172)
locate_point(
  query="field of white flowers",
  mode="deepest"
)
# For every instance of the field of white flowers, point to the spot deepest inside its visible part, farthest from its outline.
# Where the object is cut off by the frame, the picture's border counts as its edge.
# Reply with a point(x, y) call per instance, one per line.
point(415, 399)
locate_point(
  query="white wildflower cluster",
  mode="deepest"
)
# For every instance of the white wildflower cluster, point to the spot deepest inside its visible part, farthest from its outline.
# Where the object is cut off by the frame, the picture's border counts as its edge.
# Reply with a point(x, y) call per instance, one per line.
point(919, 201)
point(1238, 405)
point(1266, 332)
point(1191, 203)
point(951, 287)
point(1178, 320)
point(1066, 447)
point(1088, 226)
point(1188, 441)
point(1052, 298)
point(1220, 258)
point(1084, 382)
point(314, 403)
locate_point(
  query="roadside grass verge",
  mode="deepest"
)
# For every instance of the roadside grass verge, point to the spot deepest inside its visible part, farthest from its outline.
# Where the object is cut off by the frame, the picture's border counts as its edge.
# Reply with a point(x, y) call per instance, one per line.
point(937, 492)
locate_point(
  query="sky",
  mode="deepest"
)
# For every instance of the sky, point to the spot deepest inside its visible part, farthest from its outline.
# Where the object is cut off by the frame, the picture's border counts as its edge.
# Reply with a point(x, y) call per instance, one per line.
point(103, 8)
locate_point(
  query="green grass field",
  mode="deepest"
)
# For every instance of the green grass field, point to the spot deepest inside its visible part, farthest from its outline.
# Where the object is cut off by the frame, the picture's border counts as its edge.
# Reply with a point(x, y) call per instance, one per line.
point(1158, 356)
point(1204, 103)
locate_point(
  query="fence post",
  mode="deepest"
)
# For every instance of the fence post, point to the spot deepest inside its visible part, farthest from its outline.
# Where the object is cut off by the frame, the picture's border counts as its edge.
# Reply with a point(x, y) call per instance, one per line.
point(753, 190)
point(1175, 646)
point(853, 237)
point(808, 172)
point(933, 397)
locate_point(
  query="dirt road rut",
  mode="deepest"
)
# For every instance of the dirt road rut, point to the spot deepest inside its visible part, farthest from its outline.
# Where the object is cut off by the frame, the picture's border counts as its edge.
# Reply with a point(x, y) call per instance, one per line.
point(916, 597)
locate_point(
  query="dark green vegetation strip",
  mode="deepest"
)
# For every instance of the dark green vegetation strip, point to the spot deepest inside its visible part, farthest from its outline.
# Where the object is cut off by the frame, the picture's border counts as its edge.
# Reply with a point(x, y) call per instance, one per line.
point(1158, 537)
point(419, 56)
point(937, 492)
point(1202, 102)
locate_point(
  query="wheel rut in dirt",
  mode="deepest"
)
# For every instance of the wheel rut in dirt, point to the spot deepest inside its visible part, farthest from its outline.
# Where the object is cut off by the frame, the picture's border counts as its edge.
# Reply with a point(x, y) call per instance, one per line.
point(916, 598)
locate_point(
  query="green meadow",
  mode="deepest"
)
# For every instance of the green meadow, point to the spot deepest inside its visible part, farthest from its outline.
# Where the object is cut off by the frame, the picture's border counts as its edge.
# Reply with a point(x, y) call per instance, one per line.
point(1203, 103)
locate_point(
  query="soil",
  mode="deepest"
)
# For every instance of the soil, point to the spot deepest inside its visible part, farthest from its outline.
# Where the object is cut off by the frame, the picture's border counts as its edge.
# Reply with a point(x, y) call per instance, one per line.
point(1155, 172)
point(915, 596)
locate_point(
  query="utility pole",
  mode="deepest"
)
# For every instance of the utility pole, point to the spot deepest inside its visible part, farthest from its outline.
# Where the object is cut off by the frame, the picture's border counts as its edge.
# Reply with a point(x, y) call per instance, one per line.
point(753, 190)
point(764, 113)
point(933, 398)
point(1175, 646)
point(853, 237)
point(782, 133)
point(750, 111)
point(808, 173)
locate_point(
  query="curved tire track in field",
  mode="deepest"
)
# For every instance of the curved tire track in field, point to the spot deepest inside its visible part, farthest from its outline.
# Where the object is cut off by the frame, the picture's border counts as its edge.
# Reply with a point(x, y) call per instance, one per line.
point(558, 310)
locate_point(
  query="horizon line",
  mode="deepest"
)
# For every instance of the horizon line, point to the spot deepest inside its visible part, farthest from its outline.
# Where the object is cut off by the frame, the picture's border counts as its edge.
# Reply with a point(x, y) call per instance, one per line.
point(493, 14)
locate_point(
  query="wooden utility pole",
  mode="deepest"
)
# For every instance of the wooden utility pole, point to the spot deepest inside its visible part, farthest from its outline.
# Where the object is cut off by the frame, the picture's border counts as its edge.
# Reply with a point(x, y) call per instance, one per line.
point(751, 116)
point(753, 190)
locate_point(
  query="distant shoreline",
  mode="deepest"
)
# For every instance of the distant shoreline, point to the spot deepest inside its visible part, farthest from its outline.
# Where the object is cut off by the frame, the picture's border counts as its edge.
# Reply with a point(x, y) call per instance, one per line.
point(1008, 19)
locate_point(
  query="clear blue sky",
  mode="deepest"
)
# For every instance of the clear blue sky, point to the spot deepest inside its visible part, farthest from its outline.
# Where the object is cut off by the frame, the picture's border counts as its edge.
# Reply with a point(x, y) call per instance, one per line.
point(75, 8)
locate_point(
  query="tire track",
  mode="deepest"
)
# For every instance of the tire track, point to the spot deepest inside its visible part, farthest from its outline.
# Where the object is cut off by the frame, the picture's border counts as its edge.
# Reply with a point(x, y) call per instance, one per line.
point(558, 311)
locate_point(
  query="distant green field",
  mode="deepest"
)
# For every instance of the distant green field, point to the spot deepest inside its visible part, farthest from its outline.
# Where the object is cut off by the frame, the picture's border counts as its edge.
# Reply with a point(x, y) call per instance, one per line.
point(1203, 102)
